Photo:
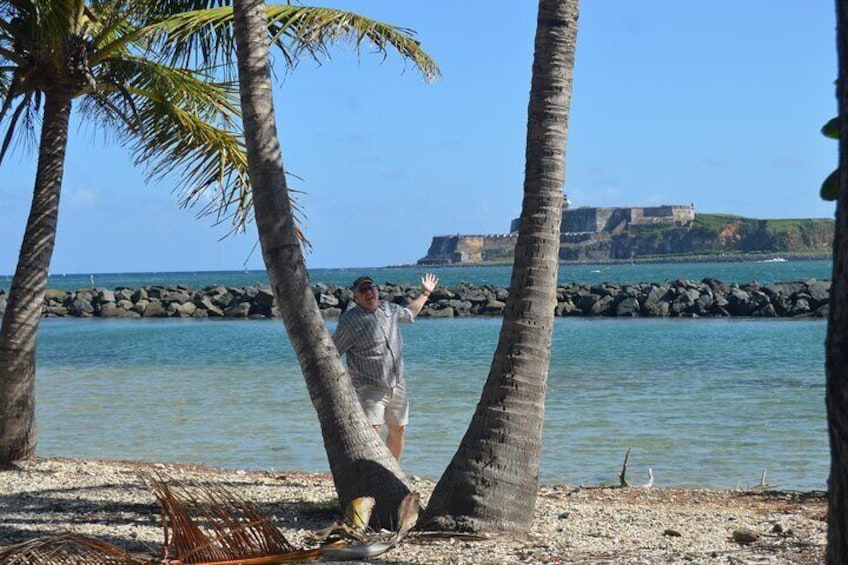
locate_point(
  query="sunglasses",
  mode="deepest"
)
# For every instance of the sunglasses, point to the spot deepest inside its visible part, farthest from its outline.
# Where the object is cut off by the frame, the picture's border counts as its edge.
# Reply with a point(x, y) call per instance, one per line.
point(367, 287)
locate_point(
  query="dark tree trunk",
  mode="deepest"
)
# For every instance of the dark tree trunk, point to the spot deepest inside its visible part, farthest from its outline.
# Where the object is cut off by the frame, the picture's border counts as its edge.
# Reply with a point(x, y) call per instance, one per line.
point(18, 335)
point(360, 463)
point(492, 480)
point(836, 348)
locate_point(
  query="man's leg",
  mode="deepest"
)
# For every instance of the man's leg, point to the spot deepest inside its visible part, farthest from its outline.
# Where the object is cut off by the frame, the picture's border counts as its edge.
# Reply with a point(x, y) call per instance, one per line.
point(394, 440)
point(397, 416)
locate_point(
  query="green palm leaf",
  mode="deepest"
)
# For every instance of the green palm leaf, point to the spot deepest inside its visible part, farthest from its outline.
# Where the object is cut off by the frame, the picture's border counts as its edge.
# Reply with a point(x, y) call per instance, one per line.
point(295, 30)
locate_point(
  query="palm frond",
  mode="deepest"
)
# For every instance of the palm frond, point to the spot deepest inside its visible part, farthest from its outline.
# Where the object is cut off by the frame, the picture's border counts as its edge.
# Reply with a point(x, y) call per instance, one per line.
point(47, 23)
point(312, 30)
point(209, 524)
point(295, 30)
point(207, 45)
point(67, 549)
point(177, 121)
point(26, 106)
point(10, 131)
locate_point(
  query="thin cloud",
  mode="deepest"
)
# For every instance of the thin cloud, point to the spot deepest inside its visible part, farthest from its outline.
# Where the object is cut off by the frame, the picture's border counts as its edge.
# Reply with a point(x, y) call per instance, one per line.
point(83, 198)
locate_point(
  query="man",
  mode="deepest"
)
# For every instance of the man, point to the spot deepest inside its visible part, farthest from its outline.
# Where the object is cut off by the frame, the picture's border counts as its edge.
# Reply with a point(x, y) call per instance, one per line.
point(369, 334)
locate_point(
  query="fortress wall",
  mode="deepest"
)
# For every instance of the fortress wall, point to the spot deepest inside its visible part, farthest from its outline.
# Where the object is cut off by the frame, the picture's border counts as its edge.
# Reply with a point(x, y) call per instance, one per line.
point(579, 226)
point(610, 220)
point(582, 220)
point(446, 249)
point(684, 214)
point(617, 220)
point(470, 247)
point(499, 247)
point(664, 214)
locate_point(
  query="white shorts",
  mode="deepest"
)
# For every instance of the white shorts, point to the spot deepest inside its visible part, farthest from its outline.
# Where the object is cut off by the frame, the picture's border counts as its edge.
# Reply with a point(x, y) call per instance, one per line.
point(385, 406)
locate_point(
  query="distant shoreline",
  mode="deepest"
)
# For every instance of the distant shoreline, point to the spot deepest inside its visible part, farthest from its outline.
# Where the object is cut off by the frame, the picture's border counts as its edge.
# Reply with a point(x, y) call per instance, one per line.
point(678, 259)
point(656, 259)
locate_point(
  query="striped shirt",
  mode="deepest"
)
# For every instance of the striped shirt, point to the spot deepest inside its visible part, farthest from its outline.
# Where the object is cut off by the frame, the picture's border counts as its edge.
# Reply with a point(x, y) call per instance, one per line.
point(373, 344)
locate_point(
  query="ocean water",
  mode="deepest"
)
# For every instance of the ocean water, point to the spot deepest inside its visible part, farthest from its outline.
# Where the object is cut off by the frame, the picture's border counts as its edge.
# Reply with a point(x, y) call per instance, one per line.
point(706, 403)
point(764, 272)
point(703, 403)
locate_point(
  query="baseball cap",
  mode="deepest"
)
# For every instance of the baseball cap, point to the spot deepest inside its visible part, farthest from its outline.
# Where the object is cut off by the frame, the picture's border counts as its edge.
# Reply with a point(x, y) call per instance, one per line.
point(360, 281)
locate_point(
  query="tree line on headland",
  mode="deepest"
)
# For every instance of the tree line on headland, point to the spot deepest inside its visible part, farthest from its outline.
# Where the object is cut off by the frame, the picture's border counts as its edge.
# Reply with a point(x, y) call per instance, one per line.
point(709, 298)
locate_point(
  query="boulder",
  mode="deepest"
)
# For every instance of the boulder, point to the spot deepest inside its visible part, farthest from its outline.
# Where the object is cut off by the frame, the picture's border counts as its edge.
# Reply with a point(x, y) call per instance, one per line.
point(492, 308)
point(112, 310)
point(628, 308)
point(240, 310)
point(446, 312)
point(154, 309)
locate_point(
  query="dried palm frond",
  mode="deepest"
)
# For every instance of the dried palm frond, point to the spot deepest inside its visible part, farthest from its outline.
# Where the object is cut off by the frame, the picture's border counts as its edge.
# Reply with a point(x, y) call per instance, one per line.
point(67, 549)
point(208, 524)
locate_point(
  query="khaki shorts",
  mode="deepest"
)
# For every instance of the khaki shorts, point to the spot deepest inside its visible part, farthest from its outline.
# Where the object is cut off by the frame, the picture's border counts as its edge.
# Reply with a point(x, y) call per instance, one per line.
point(385, 406)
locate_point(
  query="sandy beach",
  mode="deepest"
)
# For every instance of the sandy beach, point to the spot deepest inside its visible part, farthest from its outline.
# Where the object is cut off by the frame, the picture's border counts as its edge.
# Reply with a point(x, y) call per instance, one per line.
point(572, 524)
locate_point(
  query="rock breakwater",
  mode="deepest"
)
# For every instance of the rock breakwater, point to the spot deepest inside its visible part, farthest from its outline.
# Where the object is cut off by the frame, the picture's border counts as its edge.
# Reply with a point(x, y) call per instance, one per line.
point(709, 298)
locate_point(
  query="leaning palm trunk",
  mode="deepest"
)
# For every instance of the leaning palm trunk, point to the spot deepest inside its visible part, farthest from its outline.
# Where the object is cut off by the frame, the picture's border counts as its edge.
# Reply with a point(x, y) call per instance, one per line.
point(836, 349)
point(359, 461)
point(26, 295)
point(491, 482)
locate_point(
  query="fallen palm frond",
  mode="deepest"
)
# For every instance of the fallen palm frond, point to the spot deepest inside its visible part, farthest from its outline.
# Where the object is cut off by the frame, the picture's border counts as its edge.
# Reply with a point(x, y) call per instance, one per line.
point(67, 549)
point(207, 524)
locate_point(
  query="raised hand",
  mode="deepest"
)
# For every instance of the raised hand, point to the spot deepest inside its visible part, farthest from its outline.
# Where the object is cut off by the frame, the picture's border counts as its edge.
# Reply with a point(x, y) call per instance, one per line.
point(429, 282)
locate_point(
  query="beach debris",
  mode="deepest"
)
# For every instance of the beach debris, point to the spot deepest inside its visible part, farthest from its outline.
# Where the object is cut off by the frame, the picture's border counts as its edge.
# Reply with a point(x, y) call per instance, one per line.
point(207, 524)
point(353, 526)
point(66, 549)
point(762, 485)
point(622, 477)
point(744, 536)
point(352, 538)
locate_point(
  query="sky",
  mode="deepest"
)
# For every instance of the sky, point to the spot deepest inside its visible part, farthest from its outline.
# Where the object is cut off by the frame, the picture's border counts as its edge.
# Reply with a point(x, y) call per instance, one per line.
point(716, 103)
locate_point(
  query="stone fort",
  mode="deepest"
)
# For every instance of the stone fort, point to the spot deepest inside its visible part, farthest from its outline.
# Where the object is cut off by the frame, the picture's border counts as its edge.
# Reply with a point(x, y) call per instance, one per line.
point(583, 225)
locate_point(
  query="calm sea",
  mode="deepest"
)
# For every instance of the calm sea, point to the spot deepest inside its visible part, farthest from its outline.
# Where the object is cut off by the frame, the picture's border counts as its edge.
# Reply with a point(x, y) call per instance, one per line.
point(709, 403)
point(763, 272)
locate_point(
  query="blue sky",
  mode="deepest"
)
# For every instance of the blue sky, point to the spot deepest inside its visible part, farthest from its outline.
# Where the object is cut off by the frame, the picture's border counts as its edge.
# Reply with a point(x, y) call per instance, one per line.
point(717, 103)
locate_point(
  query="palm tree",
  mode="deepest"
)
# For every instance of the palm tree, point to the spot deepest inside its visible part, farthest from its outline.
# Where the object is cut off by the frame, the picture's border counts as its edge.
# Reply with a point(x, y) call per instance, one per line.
point(52, 54)
point(359, 461)
point(836, 345)
point(492, 480)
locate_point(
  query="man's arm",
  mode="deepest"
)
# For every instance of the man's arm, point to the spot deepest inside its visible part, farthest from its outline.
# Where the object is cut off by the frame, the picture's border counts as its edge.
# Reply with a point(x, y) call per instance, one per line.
point(341, 337)
point(428, 285)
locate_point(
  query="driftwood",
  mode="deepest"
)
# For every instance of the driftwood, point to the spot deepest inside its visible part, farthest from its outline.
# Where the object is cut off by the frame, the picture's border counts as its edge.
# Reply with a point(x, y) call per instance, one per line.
point(622, 477)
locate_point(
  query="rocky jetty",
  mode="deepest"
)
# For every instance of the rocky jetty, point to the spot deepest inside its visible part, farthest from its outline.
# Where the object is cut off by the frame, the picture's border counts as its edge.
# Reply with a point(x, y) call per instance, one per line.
point(709, 298)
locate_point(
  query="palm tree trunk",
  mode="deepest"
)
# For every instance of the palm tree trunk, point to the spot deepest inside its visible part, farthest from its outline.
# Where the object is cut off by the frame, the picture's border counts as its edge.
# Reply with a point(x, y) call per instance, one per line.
point(836, 345)
point(26, 295)
point(491, 482)
point(360, 463)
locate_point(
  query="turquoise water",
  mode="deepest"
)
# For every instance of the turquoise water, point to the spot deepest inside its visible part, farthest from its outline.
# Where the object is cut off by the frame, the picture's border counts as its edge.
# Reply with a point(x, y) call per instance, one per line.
point(710, 403)
point(740, 272)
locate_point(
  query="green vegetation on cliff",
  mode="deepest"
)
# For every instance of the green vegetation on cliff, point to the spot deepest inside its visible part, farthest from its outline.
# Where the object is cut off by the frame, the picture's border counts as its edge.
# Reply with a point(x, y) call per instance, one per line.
point(709, 235)
point(728, 234)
